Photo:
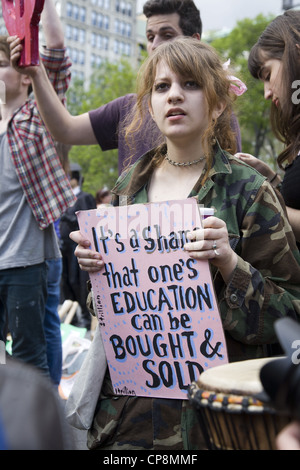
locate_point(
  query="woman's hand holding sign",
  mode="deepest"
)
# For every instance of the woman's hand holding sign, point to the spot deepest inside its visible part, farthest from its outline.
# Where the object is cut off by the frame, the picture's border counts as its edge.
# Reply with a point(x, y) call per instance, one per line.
point(88, 259)
point(212, 243)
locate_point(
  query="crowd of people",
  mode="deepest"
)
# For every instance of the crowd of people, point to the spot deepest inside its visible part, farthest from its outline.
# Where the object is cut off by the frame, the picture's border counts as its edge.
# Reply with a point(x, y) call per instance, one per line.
point(177, 137)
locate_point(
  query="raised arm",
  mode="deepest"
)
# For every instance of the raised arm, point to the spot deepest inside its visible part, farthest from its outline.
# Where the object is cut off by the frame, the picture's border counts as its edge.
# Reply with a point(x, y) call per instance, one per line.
point(65, 128)
point(52, 27)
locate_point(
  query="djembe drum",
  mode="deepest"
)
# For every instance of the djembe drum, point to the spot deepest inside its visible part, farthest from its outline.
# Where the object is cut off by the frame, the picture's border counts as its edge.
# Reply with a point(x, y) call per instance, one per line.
point(230, 415)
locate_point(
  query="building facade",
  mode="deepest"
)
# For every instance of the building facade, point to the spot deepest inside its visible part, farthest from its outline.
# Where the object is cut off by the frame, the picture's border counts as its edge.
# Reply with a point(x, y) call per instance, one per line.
point(95, 31)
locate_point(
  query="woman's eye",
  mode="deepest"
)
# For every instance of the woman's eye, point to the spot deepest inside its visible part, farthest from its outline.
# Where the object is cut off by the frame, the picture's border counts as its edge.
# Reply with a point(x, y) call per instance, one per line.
point(160, 86)
point(265, 76)
point(191, 84)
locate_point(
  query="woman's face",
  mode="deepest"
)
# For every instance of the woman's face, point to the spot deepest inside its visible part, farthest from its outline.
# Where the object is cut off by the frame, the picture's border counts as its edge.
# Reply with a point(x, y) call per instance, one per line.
point(271, 75)
point(178, 105)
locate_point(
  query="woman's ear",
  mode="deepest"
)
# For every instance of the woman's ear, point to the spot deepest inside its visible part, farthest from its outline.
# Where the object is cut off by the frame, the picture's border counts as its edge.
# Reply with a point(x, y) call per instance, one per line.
point(218, 110)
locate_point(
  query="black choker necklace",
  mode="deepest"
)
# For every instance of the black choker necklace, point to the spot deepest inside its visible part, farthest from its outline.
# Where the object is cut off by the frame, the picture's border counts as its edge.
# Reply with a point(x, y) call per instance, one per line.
point(194, 162)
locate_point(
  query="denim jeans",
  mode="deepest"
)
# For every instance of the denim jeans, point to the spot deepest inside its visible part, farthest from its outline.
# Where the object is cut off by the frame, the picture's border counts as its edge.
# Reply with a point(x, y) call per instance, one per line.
point(23, 293)
point(52, 321)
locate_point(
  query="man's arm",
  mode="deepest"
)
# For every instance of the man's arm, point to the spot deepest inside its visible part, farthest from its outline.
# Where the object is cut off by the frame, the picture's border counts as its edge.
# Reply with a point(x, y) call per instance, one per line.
point(65, 128)
point(52, 27)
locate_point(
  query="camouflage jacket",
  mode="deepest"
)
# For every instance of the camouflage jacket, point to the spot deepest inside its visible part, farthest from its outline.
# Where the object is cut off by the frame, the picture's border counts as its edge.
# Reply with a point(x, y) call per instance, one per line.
point(264, 287)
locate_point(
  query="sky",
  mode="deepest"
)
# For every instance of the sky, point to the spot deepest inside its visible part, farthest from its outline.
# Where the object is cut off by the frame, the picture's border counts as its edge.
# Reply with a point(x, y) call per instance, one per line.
point(223, 14)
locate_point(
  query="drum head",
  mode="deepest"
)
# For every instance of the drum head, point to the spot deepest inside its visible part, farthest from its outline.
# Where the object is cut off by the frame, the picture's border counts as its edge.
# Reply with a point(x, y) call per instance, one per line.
point(237, 378)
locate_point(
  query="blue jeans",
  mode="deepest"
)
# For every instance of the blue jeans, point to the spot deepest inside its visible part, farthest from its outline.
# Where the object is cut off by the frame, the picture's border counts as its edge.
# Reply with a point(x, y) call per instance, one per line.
point(52, 321)
point(23, 293)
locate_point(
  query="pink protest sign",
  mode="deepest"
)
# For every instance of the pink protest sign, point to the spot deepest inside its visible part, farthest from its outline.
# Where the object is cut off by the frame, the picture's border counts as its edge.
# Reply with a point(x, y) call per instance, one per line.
point(156, 306)
point(22, 19)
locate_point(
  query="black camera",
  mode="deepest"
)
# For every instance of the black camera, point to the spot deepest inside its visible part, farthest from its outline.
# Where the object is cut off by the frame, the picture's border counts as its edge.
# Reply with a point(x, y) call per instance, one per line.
point(281, 377)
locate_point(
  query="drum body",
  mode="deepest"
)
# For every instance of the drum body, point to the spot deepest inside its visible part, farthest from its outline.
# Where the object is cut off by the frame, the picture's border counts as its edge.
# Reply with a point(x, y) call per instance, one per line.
point(230, 415)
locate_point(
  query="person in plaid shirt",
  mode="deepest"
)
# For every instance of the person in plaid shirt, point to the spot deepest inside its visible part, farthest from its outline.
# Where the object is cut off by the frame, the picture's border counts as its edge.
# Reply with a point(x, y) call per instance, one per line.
point(34, 192)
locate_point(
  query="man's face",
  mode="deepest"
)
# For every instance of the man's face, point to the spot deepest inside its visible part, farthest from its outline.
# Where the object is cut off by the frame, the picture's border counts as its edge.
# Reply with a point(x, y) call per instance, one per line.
point(13, 80)
point(162, 28)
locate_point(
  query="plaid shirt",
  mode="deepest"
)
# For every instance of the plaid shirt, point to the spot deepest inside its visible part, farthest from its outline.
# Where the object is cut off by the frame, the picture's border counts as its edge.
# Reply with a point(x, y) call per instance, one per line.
point(33, 152)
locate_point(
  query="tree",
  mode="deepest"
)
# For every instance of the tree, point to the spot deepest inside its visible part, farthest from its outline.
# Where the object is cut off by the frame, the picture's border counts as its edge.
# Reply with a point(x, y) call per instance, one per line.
point(107, 83)
point(252, 109)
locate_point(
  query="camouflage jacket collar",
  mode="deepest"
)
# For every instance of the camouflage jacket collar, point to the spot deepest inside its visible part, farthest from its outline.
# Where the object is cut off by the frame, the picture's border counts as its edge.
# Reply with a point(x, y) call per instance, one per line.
point(136, 178)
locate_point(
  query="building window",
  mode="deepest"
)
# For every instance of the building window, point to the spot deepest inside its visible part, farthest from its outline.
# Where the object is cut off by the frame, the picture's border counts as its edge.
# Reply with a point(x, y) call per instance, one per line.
point(68, 31)
point(94, 18)
point(81, 57)
point(69, 9)
point(75, 33)
point(106, 22)
point(116, 46)
point(123, 7)
point(105, 43)
point(128, 30)
point(75, 12)
point(96, 60)
point(82, 14)
point(100, 20)
point(82, 36)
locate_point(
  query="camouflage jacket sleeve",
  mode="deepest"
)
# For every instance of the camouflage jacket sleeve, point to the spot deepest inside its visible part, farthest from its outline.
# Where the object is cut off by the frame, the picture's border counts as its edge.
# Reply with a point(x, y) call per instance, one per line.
point(266, 282)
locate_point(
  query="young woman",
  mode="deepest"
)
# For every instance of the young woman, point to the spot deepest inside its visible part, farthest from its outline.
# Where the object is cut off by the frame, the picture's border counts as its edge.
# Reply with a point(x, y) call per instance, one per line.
point(275, 59)
point(249, 242)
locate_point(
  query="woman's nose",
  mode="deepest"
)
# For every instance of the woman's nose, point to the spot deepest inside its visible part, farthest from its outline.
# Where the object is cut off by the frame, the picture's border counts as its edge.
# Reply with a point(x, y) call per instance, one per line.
point(267, 91)
point(175, 94)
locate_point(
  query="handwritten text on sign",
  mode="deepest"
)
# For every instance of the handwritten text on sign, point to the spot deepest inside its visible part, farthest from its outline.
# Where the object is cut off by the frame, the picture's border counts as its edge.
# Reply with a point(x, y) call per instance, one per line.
point(156, 306)
point(22, 19)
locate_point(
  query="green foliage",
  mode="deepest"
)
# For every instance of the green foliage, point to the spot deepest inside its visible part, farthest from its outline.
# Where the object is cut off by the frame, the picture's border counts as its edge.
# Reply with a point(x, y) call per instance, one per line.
point(251, 108)
point(107, 83)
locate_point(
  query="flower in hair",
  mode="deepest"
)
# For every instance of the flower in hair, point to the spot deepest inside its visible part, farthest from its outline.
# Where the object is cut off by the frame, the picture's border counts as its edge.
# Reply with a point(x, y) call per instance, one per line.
point(236, 86)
